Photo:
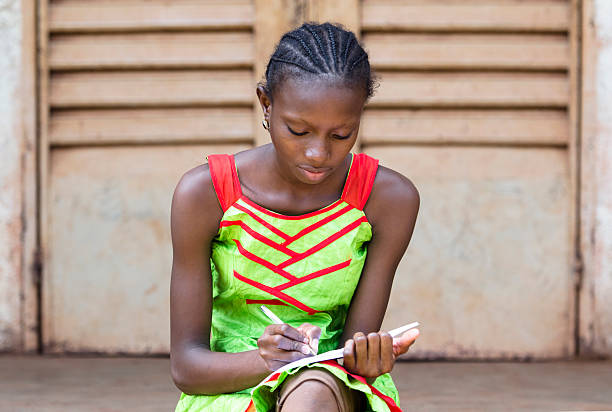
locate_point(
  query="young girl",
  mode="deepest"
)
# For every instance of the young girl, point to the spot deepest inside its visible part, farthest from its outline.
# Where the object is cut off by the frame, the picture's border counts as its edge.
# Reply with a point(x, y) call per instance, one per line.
point(288, 225)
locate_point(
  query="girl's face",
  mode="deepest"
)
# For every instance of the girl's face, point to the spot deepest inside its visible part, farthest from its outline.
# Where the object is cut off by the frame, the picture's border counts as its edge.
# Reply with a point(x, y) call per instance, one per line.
point(313, 126)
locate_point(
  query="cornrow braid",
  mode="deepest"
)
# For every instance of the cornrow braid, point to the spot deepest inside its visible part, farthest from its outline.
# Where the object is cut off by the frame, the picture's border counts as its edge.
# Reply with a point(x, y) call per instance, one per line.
point(313, 50)
point(303, 43)
point(333, 46)
point(281, 60)
point(356, 62)
point(316, 37)
point(346, 49)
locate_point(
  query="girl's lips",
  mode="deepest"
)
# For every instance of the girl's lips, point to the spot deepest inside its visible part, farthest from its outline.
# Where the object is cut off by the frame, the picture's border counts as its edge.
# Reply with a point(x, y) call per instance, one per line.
point(314, 174)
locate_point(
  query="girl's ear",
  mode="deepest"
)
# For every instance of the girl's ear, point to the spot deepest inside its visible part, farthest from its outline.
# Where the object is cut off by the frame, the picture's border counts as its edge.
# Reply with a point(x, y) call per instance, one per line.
point(264, 101)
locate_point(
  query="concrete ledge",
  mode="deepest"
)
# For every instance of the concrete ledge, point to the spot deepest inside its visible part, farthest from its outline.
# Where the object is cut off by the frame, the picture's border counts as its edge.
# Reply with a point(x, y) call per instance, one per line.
point(144, 384)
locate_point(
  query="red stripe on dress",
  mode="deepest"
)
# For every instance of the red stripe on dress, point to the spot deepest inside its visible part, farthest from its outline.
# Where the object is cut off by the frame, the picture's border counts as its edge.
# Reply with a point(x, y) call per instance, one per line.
point(313, 275)
point(258, 236)
point(369, 184)
point(323, 243)
point(235, 179)
point(282, 296)
point(251, 406)
point(265, 302)
point(287, 217)
point(317, 225)
point(263, 262)
point(387, 399)
point(269, 226)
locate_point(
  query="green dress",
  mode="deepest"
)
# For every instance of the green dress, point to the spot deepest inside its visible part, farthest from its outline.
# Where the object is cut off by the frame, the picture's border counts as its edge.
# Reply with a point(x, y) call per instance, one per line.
point(305, 268)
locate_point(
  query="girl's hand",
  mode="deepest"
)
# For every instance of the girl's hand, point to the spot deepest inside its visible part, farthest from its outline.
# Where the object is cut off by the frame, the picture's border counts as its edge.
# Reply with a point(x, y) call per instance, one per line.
point(375, 354)
point(282, 344)
point(313, 333)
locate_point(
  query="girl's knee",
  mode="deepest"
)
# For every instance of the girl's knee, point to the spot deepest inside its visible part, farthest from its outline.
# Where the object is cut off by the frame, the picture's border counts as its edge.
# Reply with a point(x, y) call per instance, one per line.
point(315, 390)
point(310, 395)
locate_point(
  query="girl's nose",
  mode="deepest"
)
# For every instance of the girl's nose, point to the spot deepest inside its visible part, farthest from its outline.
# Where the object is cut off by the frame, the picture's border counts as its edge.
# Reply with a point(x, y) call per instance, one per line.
point(316, 152)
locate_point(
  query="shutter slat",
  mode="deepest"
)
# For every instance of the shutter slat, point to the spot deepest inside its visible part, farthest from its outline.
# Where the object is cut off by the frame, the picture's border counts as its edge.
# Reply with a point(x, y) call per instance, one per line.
point(543, 127)
point(167, 50)
point(145, 15)
point(132, 89)
point(468, 51)
point(472, 89)
point(465, 15)
point(82, 127)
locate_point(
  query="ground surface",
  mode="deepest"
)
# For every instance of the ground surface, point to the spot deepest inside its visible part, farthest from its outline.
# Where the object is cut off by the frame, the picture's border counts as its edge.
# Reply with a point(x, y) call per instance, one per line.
point(132, 384)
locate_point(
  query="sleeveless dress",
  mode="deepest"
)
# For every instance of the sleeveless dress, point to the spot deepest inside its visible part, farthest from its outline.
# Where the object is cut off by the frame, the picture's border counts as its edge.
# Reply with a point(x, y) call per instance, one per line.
point(304, 268)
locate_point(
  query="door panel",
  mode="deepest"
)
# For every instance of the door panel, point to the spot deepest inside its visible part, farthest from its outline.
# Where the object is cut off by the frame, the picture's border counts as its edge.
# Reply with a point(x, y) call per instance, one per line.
point(487, 273)
point(107, 288)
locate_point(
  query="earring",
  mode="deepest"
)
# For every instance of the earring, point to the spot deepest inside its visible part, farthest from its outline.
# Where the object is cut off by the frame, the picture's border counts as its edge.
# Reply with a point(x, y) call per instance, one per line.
point(265, 123)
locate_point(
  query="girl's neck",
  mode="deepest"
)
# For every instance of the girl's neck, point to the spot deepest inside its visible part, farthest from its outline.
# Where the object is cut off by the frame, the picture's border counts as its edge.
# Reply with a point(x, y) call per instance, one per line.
point(285, 180)
point(265, 182)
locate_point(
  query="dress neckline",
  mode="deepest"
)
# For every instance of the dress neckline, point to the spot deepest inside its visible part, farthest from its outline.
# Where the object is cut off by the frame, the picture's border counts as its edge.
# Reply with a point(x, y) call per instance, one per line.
point(273, 213)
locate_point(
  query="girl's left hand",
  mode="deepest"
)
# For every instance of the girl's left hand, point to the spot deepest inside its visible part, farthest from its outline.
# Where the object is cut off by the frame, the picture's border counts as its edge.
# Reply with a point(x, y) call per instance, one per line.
point(375, 354)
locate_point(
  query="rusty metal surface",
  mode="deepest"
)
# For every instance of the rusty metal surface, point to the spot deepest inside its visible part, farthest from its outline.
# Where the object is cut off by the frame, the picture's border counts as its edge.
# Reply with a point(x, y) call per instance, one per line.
point(110, 250)
point(487, 272)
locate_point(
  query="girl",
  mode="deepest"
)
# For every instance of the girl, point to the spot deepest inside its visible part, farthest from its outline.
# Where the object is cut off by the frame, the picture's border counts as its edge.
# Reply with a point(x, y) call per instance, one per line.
point(288, 225)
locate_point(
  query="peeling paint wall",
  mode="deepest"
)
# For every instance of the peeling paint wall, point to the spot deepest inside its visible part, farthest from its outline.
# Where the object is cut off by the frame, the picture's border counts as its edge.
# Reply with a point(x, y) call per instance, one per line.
point(603, 22)
point(596, 207)
point(10, 175)
point(596, 202)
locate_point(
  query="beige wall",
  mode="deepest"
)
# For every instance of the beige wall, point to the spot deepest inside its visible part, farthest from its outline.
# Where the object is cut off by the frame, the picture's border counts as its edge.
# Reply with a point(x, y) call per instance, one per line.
point(539, 180)
point(10, 175)
point(17, 177)
point(596, 201)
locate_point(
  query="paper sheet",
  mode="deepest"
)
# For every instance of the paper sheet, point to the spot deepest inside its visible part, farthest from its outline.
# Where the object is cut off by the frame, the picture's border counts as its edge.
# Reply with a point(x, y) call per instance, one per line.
point(332, 354)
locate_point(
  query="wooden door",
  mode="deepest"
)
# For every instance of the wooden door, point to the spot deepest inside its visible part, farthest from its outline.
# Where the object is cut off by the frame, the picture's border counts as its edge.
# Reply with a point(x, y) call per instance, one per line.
point(475, 105)
point(138, 93)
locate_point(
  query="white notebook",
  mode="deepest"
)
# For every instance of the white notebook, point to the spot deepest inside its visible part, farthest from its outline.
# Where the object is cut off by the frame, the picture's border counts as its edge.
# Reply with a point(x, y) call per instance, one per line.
point(332, 354)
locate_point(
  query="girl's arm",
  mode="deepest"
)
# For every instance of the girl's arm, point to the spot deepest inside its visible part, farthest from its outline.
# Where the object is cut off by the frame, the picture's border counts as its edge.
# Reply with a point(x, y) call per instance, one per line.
point(391, 210)
point(195, 369)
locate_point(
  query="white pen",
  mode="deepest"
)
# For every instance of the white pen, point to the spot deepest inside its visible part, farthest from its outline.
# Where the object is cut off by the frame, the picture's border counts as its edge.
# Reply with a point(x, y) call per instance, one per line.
point(277, 320)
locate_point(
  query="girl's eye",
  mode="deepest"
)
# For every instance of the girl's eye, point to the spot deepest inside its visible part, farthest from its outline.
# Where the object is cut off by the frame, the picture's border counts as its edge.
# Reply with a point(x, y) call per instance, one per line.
point(343, 137)
point(296, 133)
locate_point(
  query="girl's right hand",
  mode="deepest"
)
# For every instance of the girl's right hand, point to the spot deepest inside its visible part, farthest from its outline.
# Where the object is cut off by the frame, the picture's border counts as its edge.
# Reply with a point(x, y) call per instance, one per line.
point(283, 344)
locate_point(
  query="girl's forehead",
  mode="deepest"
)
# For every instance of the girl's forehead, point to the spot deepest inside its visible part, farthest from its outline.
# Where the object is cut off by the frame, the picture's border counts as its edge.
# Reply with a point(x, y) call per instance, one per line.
point(326, 96)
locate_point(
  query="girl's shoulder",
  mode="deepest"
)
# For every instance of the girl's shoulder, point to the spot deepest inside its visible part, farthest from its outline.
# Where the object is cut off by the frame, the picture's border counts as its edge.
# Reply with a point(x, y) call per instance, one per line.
point(393, 197)
point(197, 185)
point(193, 194)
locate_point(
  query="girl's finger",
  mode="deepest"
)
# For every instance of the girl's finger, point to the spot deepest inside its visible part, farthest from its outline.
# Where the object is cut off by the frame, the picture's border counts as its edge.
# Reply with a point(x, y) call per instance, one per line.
point(313, 333)
point(287, 331)
point(373, 352)
point(349, 355)
point(361, 351)
point(386, 352)
point(402, 343)
point(291, 345)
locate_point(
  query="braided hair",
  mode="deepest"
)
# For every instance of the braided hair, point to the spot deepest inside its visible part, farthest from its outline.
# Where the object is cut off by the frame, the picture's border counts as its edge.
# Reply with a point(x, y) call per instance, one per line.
point(315, 50)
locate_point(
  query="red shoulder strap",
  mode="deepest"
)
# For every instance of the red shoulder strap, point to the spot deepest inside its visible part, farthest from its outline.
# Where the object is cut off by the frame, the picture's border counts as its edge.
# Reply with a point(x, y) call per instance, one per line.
point(360, 180)
point(225, 179)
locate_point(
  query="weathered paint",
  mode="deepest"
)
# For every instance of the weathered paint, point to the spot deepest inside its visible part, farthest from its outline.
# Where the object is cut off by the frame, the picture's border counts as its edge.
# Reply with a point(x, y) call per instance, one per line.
point(595, 315)
point(487, 272)
point(596, 192)
point(110, 256)
point(11, 194)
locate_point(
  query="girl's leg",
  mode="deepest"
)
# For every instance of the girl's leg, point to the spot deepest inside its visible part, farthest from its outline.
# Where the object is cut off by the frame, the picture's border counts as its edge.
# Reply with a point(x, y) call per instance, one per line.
point(316, 390)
